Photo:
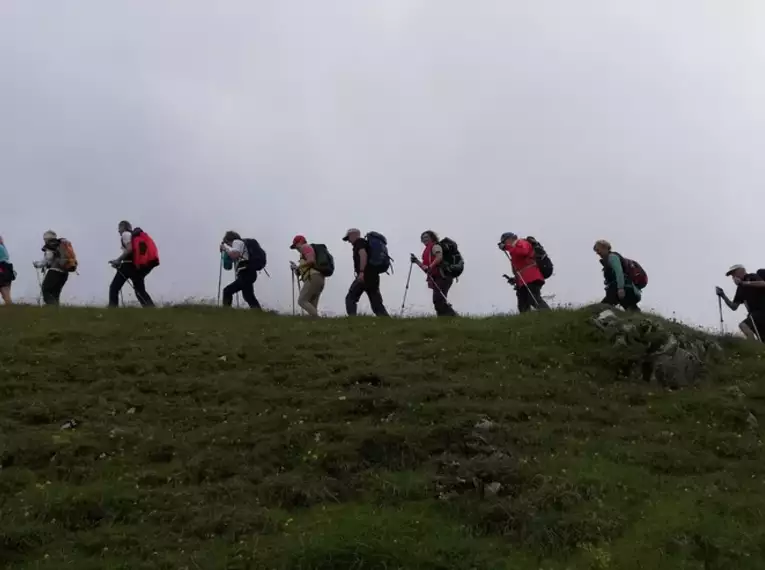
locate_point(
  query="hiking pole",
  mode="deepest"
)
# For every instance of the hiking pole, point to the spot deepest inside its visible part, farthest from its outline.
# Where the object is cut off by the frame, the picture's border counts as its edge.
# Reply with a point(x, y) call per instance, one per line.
point(754, 324)
point(722, 322)
point(406, 290)
point(440, 291)
point(292, 273)
point(220, 277)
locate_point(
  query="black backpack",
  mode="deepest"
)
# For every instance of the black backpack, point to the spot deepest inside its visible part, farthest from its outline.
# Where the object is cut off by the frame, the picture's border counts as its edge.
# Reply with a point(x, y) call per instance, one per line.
point(453, 262)
point(761, 273)
point(544, 263)
point(257, 255)
point(379, 259)
point(325, 263)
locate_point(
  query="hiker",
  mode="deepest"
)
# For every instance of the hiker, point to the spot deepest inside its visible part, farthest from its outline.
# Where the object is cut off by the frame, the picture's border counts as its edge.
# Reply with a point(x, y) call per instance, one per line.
point(368, 264)
point(527, 276)
point(621, 288)
point(57, 263)
point(437, 273)
point(248, 258)
point(308, 273)
point(138, 257)
point(750, 292)
point(7, 274)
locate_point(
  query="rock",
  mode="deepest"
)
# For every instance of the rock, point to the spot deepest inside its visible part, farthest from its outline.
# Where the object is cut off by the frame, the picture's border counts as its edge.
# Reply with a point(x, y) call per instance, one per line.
point(735, 392)
point(484, 424)
point(751, 419)
point(493, 488)
point(69, 424)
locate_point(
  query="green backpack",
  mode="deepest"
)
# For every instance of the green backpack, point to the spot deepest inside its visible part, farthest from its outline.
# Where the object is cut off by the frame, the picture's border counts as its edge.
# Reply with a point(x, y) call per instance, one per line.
point(325, 263)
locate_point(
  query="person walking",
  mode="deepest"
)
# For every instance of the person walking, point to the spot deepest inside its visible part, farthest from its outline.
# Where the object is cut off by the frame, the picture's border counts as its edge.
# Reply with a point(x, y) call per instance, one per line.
point(527, 277)
point(7, 274)
point(433, 264)
point(367, 274)
point(620, 287)
point(57, 263)
point(248, 258)
point(308, 273)
point(137, 258)
point(750, 292)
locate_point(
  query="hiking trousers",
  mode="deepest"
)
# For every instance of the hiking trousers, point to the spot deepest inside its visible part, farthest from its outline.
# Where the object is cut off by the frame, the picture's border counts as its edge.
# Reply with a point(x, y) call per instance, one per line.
point(441, 286)
point(137, 278)
point(244, 282)
point(370, 286)
point(629, 303)
point(310, 293)
point(530, 296)
point(52, 286)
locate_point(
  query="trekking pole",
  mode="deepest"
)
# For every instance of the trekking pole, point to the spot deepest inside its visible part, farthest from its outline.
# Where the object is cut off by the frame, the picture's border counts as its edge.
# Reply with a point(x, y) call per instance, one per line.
point(406, 290)
point(440, 291)
point(722, 322)
point(220, 277)
point(754, 324)
point(292, 273)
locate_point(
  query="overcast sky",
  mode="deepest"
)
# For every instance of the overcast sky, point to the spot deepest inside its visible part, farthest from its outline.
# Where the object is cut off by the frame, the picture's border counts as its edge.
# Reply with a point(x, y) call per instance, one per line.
point(639, 122)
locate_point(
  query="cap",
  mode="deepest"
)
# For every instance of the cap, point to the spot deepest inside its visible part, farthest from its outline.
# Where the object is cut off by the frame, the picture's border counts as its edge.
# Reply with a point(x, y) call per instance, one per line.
point(507, 235)
point(296, 240)
point(733, 269)
point(49, 235)
point(349, 232)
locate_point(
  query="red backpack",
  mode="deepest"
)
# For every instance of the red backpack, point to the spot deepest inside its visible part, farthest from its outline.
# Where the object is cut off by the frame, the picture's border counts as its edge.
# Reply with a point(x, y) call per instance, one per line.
point(145, 252)
point(635, 272)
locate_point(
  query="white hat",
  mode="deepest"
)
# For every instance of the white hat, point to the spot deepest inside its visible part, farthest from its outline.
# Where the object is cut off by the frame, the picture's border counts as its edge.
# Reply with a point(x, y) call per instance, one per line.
point(349, 232)
point(733, 269)
point(49, 235)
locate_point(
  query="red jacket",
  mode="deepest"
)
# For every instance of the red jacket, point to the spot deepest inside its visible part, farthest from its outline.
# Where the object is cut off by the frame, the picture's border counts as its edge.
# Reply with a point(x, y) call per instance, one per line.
point(524, 262)
point(427, 259)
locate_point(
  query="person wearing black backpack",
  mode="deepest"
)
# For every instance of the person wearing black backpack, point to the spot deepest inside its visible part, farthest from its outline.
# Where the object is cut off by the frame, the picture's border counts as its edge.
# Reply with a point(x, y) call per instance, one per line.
point(528, 277)
point(370, 259)
point(248, 258)
point(750, 292)
point(441, 269)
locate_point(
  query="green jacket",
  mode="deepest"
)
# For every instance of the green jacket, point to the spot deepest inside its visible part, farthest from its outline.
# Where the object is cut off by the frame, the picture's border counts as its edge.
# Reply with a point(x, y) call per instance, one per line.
point(614, 275)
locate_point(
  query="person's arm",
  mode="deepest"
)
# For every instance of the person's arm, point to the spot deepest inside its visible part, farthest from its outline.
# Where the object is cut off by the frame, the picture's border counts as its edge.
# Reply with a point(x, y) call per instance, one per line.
point(362, 261)
point(309, 256)
point(46, 261)
point(616, 267)
point(758, 284)
point(437, 255)
point(127, 249)
point(236, 250)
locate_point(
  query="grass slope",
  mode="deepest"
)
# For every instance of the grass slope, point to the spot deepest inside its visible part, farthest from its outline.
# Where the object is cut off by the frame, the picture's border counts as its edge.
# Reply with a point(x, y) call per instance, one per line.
point(212, 439)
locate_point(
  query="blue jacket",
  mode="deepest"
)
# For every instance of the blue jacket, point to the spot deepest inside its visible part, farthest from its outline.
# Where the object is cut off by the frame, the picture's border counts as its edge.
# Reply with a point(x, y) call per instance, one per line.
point(4, 257)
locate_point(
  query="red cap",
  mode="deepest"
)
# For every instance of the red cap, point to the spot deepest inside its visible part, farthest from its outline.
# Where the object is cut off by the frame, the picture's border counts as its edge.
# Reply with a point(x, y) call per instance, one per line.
point(298, 239)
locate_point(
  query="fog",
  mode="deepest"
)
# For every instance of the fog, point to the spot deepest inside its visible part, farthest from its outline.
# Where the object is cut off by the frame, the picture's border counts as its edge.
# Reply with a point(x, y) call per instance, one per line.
point(638, 122)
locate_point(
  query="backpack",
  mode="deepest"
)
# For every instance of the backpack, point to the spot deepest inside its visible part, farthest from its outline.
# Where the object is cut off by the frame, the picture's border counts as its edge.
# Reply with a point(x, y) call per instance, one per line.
point(378, 252)
point(67, 259)
point(145, 252)
point(453, 262)
point(634, 272)
point(325, 263)
point(7, 272)
point(543, 261)
point(256, 254)
point(761, 273)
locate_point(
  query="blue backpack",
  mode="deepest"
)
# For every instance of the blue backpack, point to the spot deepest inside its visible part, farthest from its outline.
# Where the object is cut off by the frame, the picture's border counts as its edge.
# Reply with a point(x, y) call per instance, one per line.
point(379, 258)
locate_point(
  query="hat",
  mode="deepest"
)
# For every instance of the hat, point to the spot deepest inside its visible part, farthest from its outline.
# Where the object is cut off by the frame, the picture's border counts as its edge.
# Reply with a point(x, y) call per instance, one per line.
point(507, 235)
point(296, 240)
point(349, 232)
point(49, 235)
point(733, 269)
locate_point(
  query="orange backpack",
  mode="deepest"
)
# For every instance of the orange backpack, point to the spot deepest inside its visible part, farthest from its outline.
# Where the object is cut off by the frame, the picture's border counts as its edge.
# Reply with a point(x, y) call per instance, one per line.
point(67, 257)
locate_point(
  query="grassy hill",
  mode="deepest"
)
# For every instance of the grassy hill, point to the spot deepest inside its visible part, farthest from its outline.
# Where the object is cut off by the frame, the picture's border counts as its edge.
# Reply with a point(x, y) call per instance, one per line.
point(192, 438)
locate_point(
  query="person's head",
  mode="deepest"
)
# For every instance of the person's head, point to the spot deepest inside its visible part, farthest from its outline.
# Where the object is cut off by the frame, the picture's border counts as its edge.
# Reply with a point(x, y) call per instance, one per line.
point(507, 239)
point(1, 241)
point(602, 248)
point(230, 236)
point(736, 271)
point(50, 237)
point(428, 237)
point(298, 241)
point(124, 226)
point(352, 235)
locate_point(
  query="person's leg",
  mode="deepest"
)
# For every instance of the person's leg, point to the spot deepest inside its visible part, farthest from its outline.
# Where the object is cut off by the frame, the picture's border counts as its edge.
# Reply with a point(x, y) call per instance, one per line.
point(630, 301)
point(355, 291)
point(229, 291)
point(116, 287)
point(5, 292)
point(309, 294)
point(49, 286)
point(611, 298)
point(522, 294)
point(752, 327)
point(440, 297)
point(61, 280)
point(248, 289)
point(535, 296)
point(372, 288)
point(138, 278)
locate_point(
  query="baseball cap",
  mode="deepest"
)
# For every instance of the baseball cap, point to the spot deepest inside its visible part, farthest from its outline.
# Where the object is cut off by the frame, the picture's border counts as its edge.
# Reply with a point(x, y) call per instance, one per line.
point(351, 231)
point(733, 269)
point(296, 240)
point(507, 235)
